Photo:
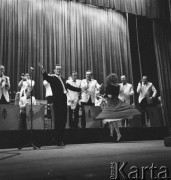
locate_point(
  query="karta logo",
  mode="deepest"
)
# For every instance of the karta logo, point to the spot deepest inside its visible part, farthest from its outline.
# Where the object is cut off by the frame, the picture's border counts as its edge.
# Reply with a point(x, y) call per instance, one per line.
point(120, 170)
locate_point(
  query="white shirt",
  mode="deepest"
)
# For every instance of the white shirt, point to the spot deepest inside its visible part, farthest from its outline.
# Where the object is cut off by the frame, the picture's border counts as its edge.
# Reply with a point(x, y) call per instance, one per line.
point(25, 85)
point(48, 88)
point(3, 89)
point(98, 101)
point(89, 90)
point(73, 95)
point(126, 90)
point(24, 101)
point(145, 90)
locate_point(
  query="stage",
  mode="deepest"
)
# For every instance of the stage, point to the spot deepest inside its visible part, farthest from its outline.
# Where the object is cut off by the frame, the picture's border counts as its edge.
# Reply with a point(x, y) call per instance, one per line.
point(15, 138)
point(83, 161)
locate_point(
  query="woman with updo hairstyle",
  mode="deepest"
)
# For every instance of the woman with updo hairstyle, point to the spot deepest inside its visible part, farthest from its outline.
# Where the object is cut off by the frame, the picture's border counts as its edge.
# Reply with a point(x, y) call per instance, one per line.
point(115, 109)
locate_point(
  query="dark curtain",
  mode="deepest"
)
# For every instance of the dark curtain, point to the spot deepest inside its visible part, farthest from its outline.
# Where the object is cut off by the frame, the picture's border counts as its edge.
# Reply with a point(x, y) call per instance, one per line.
point(169, 2)
point(72, 34)
point(82, 37)
point(150, 44)
point(162, 40)
point(148, 8)
point(142, 51)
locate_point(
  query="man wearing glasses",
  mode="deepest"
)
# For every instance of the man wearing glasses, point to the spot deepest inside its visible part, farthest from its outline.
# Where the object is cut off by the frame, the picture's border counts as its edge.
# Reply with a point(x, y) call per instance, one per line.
point(4, 86)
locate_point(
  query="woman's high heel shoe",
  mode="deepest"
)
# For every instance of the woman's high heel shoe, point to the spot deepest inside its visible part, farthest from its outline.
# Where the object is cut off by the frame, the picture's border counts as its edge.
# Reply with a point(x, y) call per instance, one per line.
point(119, 138)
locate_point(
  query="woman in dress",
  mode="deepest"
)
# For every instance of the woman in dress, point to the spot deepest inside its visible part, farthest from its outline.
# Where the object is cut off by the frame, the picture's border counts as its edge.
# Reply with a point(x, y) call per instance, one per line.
point(115, 109)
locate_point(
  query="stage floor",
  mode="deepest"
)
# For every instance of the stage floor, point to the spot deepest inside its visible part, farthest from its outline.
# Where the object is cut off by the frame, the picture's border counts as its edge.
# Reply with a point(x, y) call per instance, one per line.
point(13, 139)
point(83, 161)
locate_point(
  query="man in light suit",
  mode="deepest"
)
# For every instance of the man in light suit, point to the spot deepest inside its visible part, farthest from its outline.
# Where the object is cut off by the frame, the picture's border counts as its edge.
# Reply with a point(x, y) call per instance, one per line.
point(147, 94)
point(4, 86)
point(25, 84)
point(126, 91)
point(72, 101)
point(88, 87)
point(23, 102)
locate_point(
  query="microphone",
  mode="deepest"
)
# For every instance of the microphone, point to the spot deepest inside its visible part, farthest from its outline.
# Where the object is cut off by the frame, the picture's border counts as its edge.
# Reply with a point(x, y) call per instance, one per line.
point(31, 68)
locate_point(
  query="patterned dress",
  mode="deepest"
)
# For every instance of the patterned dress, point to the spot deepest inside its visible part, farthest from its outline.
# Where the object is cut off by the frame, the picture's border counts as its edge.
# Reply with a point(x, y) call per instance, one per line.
point(116, 109)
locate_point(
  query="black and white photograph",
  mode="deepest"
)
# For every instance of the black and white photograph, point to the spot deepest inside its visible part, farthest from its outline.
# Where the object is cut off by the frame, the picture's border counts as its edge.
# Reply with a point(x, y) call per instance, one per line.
point(85, 89)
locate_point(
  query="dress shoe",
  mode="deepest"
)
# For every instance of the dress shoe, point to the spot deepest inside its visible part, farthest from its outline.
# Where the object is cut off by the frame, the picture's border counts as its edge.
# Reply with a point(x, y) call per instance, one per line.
point(61, 143)
point(76, 127)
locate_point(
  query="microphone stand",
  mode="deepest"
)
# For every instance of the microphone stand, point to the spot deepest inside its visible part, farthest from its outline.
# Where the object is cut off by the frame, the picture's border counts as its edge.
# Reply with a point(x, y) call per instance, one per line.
point(31, 120)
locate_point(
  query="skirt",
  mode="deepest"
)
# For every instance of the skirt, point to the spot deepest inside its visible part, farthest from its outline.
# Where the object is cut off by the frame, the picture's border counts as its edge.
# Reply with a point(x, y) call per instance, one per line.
point(117, 109)
point(110, 120)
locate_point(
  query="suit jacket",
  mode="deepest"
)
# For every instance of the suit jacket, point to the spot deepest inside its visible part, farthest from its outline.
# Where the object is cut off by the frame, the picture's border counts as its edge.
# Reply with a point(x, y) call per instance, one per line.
point(146, 91)
point(72, 95)
point(48, 88)
point(3, 88)
point(89, 90)
point(125, 92)
point(59, 97)
point(25, 85)
point(24, 101)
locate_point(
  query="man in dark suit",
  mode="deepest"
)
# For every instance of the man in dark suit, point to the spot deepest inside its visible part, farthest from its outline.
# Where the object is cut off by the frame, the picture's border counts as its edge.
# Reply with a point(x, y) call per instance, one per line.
point(59, 90)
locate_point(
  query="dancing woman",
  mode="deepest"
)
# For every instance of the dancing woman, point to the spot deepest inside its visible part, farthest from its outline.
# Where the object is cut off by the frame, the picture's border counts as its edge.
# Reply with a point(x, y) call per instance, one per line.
point(115, 109)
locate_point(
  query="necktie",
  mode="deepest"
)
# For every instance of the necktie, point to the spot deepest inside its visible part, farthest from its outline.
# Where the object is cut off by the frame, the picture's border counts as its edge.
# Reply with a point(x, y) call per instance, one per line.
point(87, 84)
point(64, 90)
point(144, 88)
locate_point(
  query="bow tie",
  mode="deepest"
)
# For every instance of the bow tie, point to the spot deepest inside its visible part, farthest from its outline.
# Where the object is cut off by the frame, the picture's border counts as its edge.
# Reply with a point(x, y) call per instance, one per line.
point(74, 81)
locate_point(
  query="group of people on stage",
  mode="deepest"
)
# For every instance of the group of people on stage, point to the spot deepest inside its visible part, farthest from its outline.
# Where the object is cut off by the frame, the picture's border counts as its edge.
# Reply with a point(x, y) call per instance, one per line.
point(77, 93)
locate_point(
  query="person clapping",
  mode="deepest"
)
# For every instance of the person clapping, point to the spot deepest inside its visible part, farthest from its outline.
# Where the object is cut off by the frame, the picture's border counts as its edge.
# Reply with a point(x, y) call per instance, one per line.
point(25, 83)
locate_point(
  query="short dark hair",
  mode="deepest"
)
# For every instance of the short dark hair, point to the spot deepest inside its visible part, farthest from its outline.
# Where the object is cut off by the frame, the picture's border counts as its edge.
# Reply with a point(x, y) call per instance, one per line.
point(123, 76)
point(89, 71)
point(75, 72)
point(27, 74)
point(58, 65)
point(145, 76)
point(2, 67)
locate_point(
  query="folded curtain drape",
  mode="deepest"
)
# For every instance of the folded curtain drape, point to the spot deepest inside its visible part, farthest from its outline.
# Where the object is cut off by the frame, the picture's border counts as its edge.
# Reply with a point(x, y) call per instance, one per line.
point(82, 37)
point(72, 34)
point(162, 44)
point(148, 8)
